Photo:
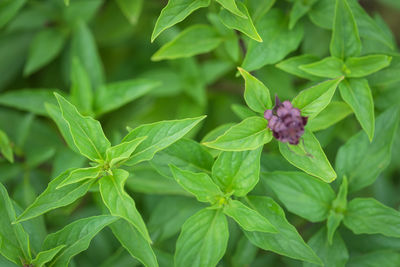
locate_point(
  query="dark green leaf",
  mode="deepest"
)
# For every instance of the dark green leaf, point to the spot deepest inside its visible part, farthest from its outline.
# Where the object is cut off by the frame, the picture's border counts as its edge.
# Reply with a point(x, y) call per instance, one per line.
point(81, 88)
point(131, 9)
point(376, 259)
point(5, 147)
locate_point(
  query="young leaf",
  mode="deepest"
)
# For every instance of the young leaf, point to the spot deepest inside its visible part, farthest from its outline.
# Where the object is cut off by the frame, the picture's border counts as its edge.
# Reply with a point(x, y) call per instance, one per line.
point(159, 136)
point(76, 237)
point(81, 174)
point(14, 239)
point(256, 94)
point(175, 12)
point(385, 258)
point(237, 172)
point(358, 95)
point(357, 67)
point(199, 184)
point(287, 241)
point(232, 7)
point(46, 256)
point(345, 40)
point(119, 203)
point(291, 65)
point(53, 198)
point(332, 223)
point(81, 88)
point(338, 210)
point(333, 113)
point(131, 9)
point(247, 135)
point(203, 239)
point(301, 194)
point(369, 216)
point(247, 218)
point(314, 99)
point(122, 151)
point(5, 147)
point(242, 24)
point(332, 255)
point(46, 45)
point(330, 67)
point(86, 132)
point(309, 157)
point(134, 243)
point(114, 95)
point(195, 40)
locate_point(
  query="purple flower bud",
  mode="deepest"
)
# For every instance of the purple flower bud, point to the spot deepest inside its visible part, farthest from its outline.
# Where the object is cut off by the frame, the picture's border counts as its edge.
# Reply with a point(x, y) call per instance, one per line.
point(286, 122)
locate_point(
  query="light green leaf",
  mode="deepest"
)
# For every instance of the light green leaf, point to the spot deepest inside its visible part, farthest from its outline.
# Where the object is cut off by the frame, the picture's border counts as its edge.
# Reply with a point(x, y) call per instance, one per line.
point(203, 239)
point(5, 147)
point(313, 100)
point(247, 218)
point(330, 67)
point(81, 88)
point(385, 77)
point(134, 243)
point(119, 203)
point(175, 12)
point(333, 113)
point(338, 209)
point(385, 258)
point(309, 157)
point(195, 40)
point(345, 40)
point(198, 184)
point(122, 151)
point(131, 9)
point(242, 24)
point(81, 174)
point(279, 41)
point(332, 255)
point(14, 239)
point(369, 216)
point(357, 67)
point(256, 94)
point(237, 172)
point(301, 194)
point(113, 96)
point(8, 9)
point(291, 65)
point(242, 111)
point(232, 7)
point(247, 135)
point(358, 95)
point(45, 256)
point(362, 161)
point(159, 136)
point(287, 241)
point(86, 132)
point(332, 223)
point(76, 237)
point(53, 198)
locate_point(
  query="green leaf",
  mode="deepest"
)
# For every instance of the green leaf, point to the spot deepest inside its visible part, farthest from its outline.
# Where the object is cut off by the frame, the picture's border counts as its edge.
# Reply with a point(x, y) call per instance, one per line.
point(198, 184)
point(279, 41)
point(194, 40)
point(46, 256)
point(5, 147)
point(338, 209)
point(46, 45)
point(8, 9)
point(159, 136)
point(376, 258)
point(358, 95)
point(309, 157)
point(362, 161)
point(237, 172)
point(203, 239)
point(287, 241)
point(301, 194)
point(81, 88)
point(232, 7)
point(357, 67)
point(242, 24)
point(313, 100)
point(53, 198)
point(247, 218)
point(81, 174)
point(388, 76)
point(242, 111)
point(76, 237)
point(249, 134)
point(369, 216)
point(131, 9)
point(332, 224)
point(119, 203)
point(330, 67)
point(332, 255)
point(134, 243)
point(333, 113)
point(175, 12)
point(118, 153)
point(256, 94)
point(14, 240)
point(86, 132)
point(291, 65)
point(345, 40)
point(115, 95)
point(299, 9)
